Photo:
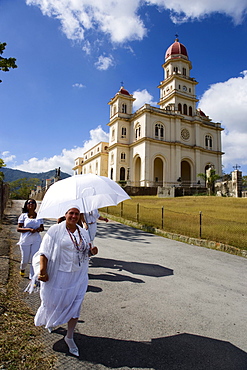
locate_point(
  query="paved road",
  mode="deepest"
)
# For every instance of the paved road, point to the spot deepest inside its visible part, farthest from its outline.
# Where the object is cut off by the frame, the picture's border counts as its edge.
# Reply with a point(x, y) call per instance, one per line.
point(154, 303)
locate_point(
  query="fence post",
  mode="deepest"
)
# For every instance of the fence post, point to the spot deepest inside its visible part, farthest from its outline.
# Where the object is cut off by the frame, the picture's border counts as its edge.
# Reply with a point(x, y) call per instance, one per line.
point(137, 212)
point(200, 224)
point(121, 209)
point(162, 217)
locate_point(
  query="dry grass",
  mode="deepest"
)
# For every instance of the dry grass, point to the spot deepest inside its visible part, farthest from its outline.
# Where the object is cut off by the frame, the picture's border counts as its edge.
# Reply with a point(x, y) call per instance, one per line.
point(20, 341)
point(223, 219)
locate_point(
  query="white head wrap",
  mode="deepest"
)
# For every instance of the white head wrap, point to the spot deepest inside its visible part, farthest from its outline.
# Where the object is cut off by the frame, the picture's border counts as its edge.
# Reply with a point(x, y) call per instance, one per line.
point(73, 206)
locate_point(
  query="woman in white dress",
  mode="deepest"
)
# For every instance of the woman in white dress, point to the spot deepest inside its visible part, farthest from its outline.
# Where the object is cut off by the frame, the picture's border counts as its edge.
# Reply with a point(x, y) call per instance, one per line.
point(64, 255)
point(29, 226)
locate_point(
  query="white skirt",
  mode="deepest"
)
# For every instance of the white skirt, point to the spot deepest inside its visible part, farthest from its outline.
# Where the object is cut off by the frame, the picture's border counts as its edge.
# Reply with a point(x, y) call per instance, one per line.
point(62, 300)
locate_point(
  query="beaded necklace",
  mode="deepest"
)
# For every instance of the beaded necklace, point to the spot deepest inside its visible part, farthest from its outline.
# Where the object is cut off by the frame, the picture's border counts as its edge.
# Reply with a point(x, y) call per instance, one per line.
point(81, 247)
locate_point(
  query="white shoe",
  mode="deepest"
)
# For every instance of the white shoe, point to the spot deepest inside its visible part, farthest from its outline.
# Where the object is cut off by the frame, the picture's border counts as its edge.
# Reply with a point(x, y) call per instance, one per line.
point(73, 349)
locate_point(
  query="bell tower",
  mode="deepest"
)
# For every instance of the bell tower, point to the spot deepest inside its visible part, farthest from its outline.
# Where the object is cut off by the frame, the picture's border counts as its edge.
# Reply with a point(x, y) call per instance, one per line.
point(177, 90)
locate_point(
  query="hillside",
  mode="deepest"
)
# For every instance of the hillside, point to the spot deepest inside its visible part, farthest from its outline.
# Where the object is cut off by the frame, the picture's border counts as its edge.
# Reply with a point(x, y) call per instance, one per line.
point(12, 175)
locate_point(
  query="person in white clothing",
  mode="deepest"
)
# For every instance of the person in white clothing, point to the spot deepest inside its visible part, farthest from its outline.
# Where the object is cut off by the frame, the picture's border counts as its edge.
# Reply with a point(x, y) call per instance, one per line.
point(90, 219)
point(30, 227)
point(64, 256)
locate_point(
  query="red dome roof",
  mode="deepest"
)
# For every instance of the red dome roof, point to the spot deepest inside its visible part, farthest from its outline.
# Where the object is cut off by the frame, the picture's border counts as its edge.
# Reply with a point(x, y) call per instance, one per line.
point(175, 49)
point(123, 91)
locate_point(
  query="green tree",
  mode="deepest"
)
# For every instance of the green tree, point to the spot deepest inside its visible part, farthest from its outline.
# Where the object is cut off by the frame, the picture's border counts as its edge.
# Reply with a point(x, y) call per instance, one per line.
point(6, 63)
point(21, 188)
point(2, 164)
point(210, 177)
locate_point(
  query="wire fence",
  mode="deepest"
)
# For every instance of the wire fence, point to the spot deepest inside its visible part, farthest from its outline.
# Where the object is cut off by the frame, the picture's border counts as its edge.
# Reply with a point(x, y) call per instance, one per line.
point(199, 225)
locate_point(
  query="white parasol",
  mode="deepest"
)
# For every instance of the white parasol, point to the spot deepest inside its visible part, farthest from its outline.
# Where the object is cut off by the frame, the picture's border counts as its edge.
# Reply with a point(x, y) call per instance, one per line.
point(88, 191)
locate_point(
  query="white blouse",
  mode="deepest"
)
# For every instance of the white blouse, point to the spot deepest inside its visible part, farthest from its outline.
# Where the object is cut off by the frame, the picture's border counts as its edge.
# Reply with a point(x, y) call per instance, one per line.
point(71, 259)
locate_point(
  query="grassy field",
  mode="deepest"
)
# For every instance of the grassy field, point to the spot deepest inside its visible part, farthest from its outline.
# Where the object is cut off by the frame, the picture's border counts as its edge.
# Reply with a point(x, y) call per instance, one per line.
point(218, 219)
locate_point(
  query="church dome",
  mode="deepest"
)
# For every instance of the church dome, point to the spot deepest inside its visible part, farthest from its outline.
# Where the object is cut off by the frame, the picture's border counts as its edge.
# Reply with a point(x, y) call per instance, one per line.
point(124, 91)
point(176, 50)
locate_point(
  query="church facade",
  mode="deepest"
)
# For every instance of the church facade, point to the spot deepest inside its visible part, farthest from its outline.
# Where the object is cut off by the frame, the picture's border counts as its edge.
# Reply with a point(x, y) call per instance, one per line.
point(158, 146)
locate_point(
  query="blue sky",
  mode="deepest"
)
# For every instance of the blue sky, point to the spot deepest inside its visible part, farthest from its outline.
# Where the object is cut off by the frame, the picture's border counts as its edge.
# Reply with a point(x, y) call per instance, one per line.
point(73, 55)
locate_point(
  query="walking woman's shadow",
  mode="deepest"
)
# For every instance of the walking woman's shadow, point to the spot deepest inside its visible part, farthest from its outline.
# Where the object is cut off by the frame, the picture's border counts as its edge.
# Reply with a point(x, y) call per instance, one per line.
point(182, 351)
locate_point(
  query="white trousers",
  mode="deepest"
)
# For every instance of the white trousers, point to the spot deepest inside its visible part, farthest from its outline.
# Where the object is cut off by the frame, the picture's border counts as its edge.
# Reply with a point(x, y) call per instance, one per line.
point(27, 253)
point(92, 229)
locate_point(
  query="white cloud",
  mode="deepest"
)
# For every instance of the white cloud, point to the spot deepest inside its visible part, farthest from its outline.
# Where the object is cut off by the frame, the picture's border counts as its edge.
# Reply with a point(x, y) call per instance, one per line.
point(78, 85)
point(87, 47)
point(187, 10)
point(142, 97)
point(104, 63)
point(7, 157)
point(226, 102)
point(119, 19)
point(66, 159)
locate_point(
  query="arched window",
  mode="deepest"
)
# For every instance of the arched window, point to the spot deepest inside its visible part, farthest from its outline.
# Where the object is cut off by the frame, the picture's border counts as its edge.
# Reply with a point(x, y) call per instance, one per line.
point(123, 136)
point(184, 71)
point(185, 108)
point(124, 108)
point(122, 157)
point(159, 131)
point(113, 135)
point(111, 173)
point(175, 69)
point(180, 107)
point(138, 131)
point(167, 73)
point(190, 111)
point(208, 142)
point(122, 174)
point(114, 109)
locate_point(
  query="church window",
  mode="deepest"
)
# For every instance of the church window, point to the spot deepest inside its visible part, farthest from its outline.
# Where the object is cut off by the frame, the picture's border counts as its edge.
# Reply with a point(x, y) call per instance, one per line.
point(138, 131)
point(190, 90)
point(184, 71)
point(124, 108)
point(122, 157)
point(175, 69)
point(111, 173)
point(112, 158)
point(185, 108)
point(91, 153)
point(208, 142)
point(122, 174)
point(179, 86)
point(180, 107)
point(113, 135)
point(190, 111)
point(123, 132)
point(159, 131)
point(185, 134)
point(167, 73)
point(114, 109)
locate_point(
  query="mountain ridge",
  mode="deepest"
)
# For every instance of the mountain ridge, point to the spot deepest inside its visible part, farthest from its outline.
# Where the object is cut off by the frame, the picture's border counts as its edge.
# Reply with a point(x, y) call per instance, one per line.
point(12, 175)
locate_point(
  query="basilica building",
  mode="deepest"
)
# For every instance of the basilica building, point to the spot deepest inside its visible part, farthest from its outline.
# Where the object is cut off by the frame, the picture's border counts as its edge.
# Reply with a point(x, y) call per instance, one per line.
point(158, 146)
